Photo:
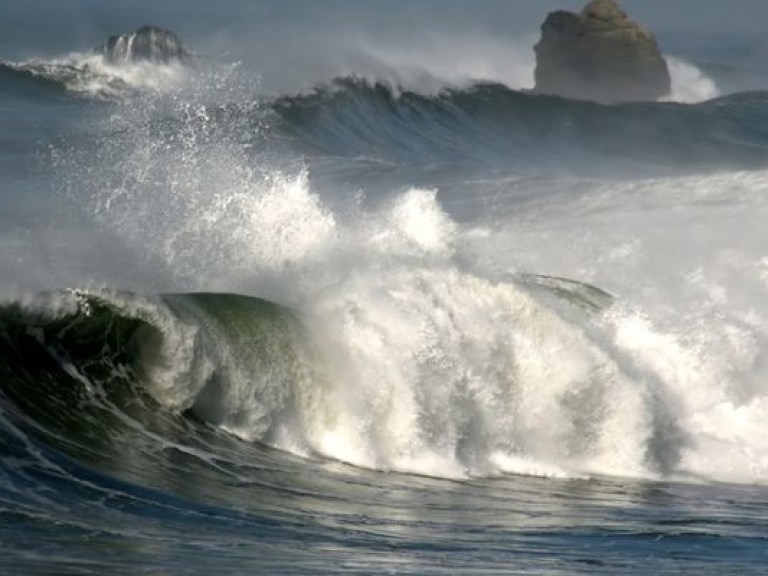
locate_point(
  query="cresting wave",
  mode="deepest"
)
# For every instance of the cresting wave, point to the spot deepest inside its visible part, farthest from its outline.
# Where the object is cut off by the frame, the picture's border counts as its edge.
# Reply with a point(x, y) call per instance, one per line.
point(407, 360)
point(452, 397)
point(492, 126)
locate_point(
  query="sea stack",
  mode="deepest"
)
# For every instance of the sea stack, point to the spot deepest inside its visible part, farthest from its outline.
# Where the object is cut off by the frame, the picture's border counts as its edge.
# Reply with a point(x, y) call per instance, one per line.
point(600, 55)
point(148, 43)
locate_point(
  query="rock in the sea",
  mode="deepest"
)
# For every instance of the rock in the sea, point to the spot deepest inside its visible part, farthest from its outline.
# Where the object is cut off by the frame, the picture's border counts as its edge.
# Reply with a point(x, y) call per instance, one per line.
point(148, 43)
point(599, 55)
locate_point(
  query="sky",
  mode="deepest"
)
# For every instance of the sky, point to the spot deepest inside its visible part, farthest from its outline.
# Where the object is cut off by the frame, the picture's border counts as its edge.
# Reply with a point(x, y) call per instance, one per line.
point(69, 19)
point(287, 36)
point(685, 15)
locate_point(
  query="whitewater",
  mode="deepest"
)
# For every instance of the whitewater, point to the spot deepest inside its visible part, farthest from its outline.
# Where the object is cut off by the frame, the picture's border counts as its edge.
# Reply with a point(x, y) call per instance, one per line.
point(400, 316)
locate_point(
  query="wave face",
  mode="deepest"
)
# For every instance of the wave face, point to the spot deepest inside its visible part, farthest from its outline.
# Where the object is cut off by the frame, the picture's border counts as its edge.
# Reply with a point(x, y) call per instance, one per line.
point(484, 125)
point(492, 126)
point(72, 357)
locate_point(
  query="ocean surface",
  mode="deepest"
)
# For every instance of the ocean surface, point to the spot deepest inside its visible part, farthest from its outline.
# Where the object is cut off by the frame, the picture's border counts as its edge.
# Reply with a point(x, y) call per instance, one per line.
point(359, 303)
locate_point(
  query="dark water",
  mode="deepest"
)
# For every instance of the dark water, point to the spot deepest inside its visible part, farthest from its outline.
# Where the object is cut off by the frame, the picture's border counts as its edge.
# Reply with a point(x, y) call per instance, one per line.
point(376, 314)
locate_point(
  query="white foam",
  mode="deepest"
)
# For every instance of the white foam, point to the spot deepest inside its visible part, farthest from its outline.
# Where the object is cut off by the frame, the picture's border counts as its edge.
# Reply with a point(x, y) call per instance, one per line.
point(426, 368)
point(93, 75)
point(428, 362)
point(692, 324)
point(689, 84)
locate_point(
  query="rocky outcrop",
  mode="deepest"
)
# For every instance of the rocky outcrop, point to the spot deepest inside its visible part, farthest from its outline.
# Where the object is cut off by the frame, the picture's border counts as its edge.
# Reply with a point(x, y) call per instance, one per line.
point(148, 43)
point(599, 55)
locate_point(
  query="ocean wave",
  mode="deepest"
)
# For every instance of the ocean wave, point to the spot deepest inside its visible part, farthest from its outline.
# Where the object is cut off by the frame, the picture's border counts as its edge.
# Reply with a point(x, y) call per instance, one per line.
point(491, 125)
point(79, 362)
point(419, 369)
point(91, 75)
point(409, 344)
point(413, 319)
point(485, 125)
point(148, 60)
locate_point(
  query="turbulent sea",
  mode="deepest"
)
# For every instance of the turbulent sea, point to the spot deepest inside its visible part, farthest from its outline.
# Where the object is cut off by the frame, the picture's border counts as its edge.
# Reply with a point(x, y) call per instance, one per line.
point(380, 322)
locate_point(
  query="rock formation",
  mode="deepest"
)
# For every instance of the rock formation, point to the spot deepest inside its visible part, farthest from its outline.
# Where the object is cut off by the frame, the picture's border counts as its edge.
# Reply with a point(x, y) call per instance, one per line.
point(147, 43)
point(599, 55)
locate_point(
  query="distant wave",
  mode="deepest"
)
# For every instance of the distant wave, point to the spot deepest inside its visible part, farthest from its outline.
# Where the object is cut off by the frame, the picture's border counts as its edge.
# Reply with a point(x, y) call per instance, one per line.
point(492, 125)
point(91, 75)
point(148, 59)
point(483, 125)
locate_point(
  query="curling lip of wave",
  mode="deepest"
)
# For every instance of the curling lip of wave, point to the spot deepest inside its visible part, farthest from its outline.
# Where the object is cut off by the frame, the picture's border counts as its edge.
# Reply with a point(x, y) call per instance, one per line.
point(240, 363)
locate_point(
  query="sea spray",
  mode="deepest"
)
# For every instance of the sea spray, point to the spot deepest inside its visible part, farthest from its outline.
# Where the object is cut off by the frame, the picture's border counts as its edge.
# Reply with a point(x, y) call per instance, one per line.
point(435, 352)
point(689, 83)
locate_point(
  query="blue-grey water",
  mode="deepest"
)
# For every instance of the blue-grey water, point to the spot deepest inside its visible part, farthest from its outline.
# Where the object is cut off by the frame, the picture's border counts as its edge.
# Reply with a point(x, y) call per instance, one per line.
point(339, 295)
